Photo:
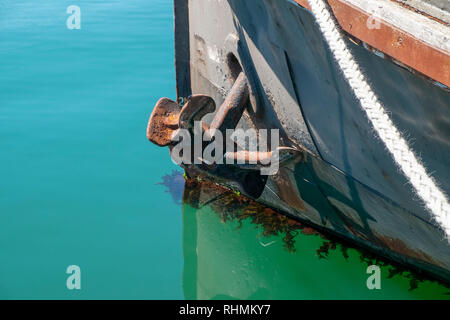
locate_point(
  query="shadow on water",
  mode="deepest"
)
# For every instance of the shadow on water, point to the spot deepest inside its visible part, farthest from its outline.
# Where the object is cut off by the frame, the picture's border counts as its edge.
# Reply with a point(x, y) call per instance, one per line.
point(174, 184)
point(237, 248)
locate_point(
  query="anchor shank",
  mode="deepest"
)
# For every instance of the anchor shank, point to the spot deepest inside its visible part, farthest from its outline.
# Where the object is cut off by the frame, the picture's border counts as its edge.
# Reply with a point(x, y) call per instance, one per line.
point(230, 112)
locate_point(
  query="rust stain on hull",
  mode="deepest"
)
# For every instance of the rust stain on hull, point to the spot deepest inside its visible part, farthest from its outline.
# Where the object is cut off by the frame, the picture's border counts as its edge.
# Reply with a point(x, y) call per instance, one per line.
point(287, 192)
point(398, 246)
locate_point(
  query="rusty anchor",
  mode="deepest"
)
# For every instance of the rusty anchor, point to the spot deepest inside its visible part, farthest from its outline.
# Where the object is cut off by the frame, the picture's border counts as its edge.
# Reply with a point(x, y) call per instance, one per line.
point(167, 118)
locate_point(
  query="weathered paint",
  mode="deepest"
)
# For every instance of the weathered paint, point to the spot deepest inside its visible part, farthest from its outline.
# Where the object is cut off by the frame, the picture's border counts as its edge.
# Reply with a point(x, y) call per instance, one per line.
point(431, 59)
point(438, 10)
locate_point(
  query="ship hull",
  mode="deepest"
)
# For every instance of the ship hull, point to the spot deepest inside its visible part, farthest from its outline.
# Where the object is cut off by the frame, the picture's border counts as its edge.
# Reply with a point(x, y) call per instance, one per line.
point(344, 181)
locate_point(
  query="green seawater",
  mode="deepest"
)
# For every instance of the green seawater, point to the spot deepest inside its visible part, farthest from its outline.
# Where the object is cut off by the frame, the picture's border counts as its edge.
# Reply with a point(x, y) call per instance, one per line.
point(81, 185)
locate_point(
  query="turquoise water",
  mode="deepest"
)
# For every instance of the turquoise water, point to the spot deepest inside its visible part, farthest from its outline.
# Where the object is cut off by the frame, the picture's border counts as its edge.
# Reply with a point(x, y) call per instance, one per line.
point(79, 180)
point(77, 172)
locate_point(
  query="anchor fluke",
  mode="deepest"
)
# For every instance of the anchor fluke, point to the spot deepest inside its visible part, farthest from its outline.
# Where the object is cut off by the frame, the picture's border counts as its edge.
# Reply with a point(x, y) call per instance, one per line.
point(163, 122)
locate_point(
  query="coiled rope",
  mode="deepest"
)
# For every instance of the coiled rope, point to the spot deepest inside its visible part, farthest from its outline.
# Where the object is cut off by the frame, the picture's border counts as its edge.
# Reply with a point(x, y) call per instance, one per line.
point(423, 184)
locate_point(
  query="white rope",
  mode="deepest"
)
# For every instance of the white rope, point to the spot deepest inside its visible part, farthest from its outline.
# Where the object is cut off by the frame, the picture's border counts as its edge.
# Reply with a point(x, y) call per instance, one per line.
point(423, 184)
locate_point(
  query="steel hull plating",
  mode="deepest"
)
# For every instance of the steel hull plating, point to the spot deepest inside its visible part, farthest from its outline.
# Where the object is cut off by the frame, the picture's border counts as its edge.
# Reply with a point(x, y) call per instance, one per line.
point(344, 180)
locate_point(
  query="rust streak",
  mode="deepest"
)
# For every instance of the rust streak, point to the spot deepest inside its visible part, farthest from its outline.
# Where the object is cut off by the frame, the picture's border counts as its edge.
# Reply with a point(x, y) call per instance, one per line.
point(287, 192)
point(400, 247)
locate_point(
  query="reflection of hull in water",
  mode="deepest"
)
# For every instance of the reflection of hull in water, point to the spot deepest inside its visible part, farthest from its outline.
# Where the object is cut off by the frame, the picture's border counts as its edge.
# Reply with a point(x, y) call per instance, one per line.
point(227, 257)
point(343, 181)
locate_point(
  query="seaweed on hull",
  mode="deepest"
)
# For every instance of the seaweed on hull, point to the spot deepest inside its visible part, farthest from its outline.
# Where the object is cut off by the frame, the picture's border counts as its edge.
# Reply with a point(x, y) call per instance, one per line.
point(230, 205)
